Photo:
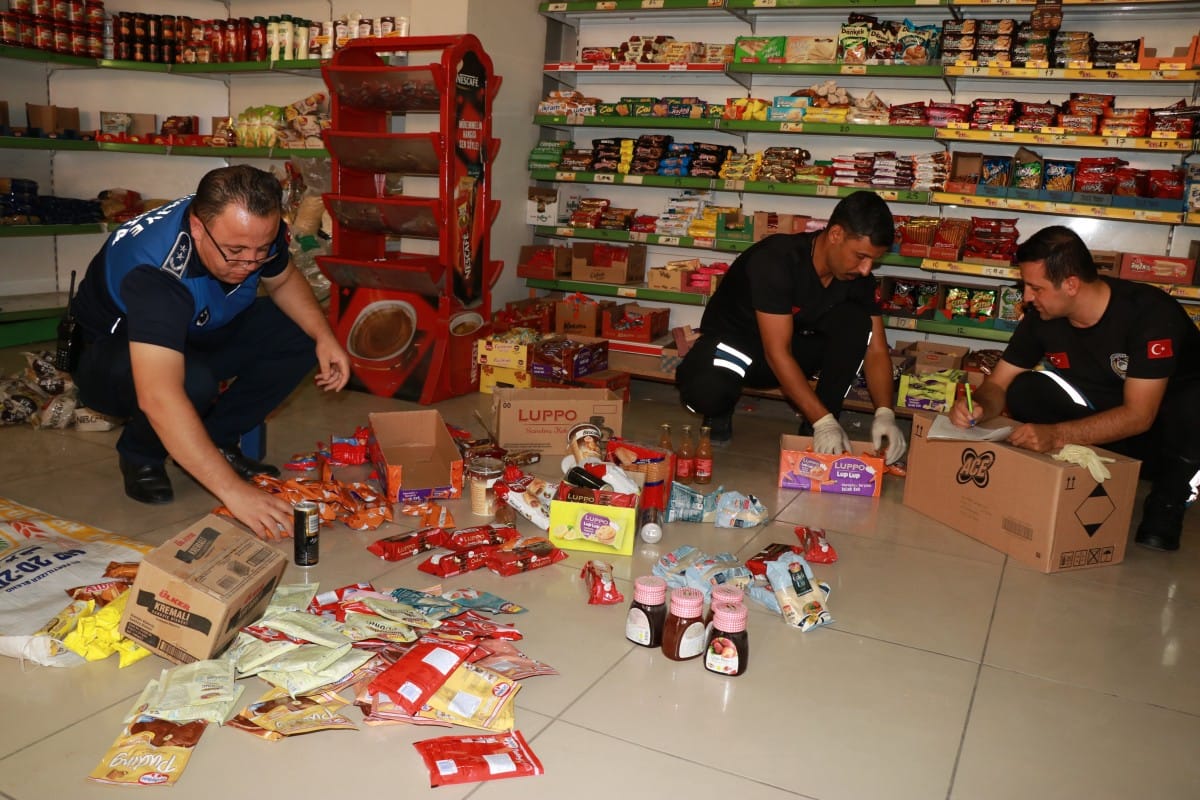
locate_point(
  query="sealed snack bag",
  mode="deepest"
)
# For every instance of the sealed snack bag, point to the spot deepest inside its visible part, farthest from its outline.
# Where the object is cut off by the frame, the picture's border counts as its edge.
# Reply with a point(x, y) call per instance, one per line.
point(467, 759)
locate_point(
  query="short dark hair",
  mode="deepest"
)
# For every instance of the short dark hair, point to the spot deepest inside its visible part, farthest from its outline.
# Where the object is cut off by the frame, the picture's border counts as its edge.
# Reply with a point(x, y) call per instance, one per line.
point(243, 185)
point(1064, 253)
point(865, 214)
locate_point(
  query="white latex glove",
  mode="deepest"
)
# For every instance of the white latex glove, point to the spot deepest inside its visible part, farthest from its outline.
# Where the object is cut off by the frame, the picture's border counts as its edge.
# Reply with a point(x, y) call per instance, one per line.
point(883, 427)
point(828, 436)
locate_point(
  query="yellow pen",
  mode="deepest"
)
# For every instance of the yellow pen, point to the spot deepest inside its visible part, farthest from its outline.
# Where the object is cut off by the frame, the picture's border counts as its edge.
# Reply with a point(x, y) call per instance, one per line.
point(970, 405)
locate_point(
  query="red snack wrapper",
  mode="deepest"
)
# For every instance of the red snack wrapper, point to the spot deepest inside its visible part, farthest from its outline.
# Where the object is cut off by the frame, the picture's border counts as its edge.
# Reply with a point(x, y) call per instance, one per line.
point(601, 589)
point(470, 626)
point(467, 759)
point(447, 565)
point(420, 672)
point(757, 563)
point(817, 549)
point(407, 545)
point(530, 554)
point(503, 657)
point(329, 604)
point(477, 535)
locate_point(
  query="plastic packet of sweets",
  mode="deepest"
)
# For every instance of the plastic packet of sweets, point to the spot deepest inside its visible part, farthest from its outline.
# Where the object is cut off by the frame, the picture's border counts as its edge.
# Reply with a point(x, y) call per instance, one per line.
point(468, 759)
point(360, 627)
point(475, 697)
point(482, 535)
point(413, 679)
point(817, 549)
point(276, 715)
point(472, 626)
point(447, 565)
point(529, 555)
point(502, 656)
point(202, 690)
point(408, 544)
point(482, 601)
point(428, 603)
point(601, 588)
point(305, 627)
point(801, 599)
point(144, 748)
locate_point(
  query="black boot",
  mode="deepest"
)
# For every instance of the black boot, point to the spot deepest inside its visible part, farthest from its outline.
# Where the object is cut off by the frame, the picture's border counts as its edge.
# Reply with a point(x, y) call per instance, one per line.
point(1162, 513)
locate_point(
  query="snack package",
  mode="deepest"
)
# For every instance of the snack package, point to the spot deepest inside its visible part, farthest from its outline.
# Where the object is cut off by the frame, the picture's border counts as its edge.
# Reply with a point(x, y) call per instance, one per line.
point(817, 549)
point(408, 544)
point(277, 715)
point(736, 510)
point(601, 588)
point(503, 657)
point(688, 505)
point(429, 604)
point(757, 563)
point(467, 759)
point(202, 690)
point(149, 752)
point(420, 672)
point(474, 697)
point(483, 601)
point(470, 626)
point(531, 554)
point(801, 599)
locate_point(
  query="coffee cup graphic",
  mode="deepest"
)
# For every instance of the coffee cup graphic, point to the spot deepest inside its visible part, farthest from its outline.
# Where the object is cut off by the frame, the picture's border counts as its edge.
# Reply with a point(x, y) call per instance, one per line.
point(382, 332)
point(465, 324)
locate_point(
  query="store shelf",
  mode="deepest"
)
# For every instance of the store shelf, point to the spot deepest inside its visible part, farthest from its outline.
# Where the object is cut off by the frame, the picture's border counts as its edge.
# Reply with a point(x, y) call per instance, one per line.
point(829, 129)
point(656, 123)
point(53, 230)
point(1068, 209)
point(752, 6)
point(617, 178)
point(946, 328)
point(629, 237)
point(44, 57)
point(26, 319)
point(612, 290)
point(876, 70)
point(40, 143)
point(1066, 74)
point(977, 270)
point(627, 67)
point(1057, 138)
point(563, 11)
point(76, 145)
point(1180, 292)
point(220, 68)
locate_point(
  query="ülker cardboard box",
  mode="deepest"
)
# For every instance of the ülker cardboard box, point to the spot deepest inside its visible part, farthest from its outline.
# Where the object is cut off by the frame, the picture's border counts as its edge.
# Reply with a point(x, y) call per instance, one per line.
point(415, 456)
point(195, 592)
point(855, 472)
point(538, 419)
point(1051, 515)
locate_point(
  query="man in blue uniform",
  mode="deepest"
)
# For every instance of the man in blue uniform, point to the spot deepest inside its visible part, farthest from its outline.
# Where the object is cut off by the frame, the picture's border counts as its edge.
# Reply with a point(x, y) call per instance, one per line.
point(170, 316)
point(1121, 368)
point(792, 306)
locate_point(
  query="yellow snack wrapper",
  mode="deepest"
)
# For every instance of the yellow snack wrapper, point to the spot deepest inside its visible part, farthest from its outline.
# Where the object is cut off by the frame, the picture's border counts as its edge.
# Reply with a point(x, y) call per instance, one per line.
point(474, 697)
point(150, 752)
point(96, 636)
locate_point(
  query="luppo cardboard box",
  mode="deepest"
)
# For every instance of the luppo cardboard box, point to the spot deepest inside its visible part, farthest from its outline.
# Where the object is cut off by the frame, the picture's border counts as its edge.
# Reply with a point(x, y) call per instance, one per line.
point(415, 456)
point(849, 473)
point(594, 521)
point(194, 592)
point(539, 419)
point(1050, 515)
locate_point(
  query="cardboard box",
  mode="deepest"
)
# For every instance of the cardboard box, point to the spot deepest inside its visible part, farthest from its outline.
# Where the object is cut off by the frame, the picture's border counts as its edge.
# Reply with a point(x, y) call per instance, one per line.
point(615, 381)
point(578, 318)
point(965, 170)
point(143, 125)
point(669, 278)
point(568, 358)
point(544, 262)
point(492, 378)
point(1050, 515)
point(415, 456)
point(1157, 269)
point(595, 527)
point(535, 312)
point(634, 323)
point(628, 264)
point(194, 592)
point(801, 468)
point(931, 357)
point(768, 223)
point(542, 206)
point(538, 419)
point(510, 355)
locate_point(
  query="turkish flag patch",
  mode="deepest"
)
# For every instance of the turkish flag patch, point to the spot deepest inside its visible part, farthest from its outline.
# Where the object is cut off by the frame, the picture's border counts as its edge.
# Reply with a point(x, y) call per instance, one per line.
point(1059, 360)
point(1159, 348)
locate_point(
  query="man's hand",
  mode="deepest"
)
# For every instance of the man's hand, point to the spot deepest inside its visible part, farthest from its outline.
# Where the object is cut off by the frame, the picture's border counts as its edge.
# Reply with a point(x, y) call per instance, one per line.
point(963, 418)
point(334, 364)
point(1039, 438)
point(828, 436)
point(884, 427)
point(269, 516)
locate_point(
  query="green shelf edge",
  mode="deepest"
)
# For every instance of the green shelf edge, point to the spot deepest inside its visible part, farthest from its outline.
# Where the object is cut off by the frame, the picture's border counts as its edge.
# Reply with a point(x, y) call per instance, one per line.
point(618, 6)
point(675, 123)
point(7, 231)
point(830, 129)
point(41, 143)
point(945, 329)
point(788, 5)
point(46, 57)
point(723, 185)
point(28, 331)
point(623, 291)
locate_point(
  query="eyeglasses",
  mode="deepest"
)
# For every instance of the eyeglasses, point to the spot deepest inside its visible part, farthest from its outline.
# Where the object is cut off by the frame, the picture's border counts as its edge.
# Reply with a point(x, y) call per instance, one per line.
point(252, 262)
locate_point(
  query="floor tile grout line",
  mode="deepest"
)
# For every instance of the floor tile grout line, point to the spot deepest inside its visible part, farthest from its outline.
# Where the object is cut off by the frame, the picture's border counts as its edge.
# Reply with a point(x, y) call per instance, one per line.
point(669, 754)
point(1091, 690)
point(54, 733)
point(975, 684)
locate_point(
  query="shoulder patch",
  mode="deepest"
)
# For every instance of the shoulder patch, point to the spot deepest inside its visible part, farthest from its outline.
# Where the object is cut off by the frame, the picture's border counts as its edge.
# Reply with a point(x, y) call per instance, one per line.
point(178, 256)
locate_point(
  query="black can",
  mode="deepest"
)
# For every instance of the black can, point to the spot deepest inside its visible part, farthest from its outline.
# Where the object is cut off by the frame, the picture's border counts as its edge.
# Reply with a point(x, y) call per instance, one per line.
point(306, 533)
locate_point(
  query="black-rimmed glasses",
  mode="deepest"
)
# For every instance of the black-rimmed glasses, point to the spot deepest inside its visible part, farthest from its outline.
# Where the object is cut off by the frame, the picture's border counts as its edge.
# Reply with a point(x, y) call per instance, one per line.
point(234, 261)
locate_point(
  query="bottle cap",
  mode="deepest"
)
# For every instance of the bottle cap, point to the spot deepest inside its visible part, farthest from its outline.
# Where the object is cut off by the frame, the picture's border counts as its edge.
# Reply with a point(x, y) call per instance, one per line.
point(687, 602)
point(727, 594)
point(650, 590)
point(729, 617)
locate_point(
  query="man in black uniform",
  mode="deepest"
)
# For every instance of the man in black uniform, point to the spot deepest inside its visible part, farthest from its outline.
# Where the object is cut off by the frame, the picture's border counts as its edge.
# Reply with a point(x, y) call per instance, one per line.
point(794, 305)
point(1121, 369)
point(169, 313)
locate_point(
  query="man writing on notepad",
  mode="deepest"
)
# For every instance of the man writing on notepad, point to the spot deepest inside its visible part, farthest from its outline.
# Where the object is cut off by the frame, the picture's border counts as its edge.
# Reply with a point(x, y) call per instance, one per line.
point(1121, 369)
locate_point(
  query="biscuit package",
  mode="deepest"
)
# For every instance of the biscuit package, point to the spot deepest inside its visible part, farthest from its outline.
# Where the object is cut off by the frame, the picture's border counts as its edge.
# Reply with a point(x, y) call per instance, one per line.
point(149, 752)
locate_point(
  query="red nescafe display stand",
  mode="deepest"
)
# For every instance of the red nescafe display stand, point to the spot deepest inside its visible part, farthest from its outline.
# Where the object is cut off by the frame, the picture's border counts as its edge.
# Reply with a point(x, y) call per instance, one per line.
point(408, 318)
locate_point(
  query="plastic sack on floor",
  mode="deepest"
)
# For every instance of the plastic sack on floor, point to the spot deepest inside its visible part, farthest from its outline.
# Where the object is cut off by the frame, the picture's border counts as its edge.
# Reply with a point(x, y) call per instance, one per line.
point(41, 557)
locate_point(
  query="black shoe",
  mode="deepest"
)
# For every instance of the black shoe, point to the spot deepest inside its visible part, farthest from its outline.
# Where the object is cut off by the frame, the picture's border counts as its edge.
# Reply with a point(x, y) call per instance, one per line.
point(246, 467)
point(720, 429)
point(147, 483)
point(1162, 512)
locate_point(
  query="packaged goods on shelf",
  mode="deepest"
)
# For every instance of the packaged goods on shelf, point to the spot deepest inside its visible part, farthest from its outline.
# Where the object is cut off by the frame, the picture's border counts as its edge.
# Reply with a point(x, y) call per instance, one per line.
point(1157, 269)
point(578, 315)
point(605, 263)
point(908, 298)
point(635, 323)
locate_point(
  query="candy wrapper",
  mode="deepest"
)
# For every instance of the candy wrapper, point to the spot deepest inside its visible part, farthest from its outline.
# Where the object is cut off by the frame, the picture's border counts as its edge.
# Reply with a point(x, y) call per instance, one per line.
point(688, 505)
point(817, 549)
point(801, 599)
point(737, 510)
point(503, 657)
point(276, 715)
point(149, 752)
point(429, 514)
point(428, 603)
point(409, 544)
point(412, 680)
point(447, 565)
point(467, 759)
point(482, 601)
point(757, 564)
point(470, 626)
point(482, 535)
point(528, 496)
point(96, 635)
point(359, 506)
point(202, 690)
point(601, 588)
point(475, 697)
point(531, 554)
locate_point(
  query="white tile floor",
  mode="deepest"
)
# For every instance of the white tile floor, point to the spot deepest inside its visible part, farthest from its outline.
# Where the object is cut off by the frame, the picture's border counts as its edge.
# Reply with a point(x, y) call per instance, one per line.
point(950, 672)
